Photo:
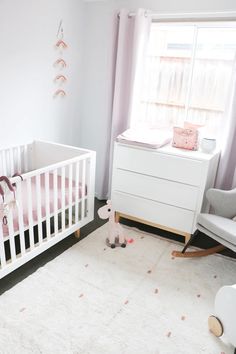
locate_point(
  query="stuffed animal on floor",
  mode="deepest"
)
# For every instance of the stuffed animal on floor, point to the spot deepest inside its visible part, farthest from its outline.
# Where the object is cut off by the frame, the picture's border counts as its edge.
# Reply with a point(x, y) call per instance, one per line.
point(115, 231)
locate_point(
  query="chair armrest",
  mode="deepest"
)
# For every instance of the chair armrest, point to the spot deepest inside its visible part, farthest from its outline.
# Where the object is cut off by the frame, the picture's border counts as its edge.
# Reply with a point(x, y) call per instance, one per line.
point(223, 202)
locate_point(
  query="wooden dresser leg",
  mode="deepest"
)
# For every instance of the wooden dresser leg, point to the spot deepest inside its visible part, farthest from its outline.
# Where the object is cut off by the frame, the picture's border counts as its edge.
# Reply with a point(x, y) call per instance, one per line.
point(117, 217)
point(77, 233)
point(187, 238)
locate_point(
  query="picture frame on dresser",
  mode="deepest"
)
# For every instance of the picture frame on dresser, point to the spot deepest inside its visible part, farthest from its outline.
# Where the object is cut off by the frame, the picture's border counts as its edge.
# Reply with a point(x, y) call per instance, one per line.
point(164, 187)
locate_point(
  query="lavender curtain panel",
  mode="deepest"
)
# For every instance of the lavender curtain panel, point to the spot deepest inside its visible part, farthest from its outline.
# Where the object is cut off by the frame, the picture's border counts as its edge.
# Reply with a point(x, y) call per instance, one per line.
point(226, 175)
point(132, 38)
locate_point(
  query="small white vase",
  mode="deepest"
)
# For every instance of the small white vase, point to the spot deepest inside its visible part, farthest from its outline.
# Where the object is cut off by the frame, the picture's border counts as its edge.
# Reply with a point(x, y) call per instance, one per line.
point(208, 145)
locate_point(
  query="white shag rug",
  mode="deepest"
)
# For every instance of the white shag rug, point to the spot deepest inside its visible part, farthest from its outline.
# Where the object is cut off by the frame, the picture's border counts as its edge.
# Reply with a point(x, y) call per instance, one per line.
point(95, 300)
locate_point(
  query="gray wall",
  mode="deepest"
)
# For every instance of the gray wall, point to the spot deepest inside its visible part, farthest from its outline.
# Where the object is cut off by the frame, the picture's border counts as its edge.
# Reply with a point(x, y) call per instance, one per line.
point(28, 31)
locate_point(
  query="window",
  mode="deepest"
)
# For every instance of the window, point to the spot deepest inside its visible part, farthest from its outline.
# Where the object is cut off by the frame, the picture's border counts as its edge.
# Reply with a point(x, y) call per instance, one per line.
point(187, 75)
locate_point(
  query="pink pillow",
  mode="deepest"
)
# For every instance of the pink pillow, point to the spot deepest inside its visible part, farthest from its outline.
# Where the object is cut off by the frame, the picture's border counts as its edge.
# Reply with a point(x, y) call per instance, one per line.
point(185, 138)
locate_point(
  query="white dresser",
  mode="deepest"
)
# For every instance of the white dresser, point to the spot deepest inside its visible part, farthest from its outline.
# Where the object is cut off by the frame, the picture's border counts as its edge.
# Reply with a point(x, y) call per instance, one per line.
point(163, 187)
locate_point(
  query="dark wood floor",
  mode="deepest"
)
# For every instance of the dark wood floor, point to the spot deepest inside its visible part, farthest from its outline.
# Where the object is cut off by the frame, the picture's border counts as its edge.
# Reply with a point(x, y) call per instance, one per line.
point(13, 278)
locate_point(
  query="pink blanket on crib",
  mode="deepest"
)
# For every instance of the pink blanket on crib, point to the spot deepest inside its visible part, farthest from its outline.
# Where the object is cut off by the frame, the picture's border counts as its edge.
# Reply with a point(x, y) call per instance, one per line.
point(43, 200)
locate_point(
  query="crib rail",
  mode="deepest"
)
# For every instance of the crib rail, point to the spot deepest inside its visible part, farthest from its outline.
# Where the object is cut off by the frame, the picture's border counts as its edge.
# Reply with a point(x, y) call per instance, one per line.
point(52, 203)
point(15, 159)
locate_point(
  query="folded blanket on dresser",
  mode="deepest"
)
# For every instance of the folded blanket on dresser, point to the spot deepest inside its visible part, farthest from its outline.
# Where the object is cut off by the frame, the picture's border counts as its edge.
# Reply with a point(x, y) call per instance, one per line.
point(152, 138)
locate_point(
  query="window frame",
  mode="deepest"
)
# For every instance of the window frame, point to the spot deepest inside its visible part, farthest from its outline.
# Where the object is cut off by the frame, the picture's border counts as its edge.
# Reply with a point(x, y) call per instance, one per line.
point(197, 24)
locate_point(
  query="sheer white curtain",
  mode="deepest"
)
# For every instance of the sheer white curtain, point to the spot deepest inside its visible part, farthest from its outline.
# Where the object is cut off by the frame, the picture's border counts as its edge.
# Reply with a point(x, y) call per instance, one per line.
point(226, 176)
point(132, 38)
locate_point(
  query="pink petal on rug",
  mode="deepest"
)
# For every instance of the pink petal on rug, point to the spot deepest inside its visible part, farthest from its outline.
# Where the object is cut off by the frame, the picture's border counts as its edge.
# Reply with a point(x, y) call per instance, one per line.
point(168, 334)
point(131, 240)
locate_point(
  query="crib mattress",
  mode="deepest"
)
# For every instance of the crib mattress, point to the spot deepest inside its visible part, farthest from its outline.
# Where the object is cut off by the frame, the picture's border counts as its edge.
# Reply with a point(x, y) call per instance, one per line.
point(43, 200)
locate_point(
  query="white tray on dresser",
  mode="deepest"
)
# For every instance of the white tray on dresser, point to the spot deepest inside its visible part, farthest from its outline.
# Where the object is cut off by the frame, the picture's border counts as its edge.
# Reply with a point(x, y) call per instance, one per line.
point(162, 187)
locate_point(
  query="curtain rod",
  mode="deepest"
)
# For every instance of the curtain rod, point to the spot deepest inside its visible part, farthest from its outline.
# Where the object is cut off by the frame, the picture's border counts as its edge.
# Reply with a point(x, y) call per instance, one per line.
point(186, 16)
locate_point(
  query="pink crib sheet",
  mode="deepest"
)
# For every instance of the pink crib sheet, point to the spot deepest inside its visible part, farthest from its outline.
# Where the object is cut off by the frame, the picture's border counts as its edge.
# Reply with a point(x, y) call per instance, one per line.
point(43, 200)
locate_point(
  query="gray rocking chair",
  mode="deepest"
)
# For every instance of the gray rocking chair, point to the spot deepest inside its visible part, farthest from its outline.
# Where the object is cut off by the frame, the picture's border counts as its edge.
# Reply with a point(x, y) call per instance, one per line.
point(218, 226)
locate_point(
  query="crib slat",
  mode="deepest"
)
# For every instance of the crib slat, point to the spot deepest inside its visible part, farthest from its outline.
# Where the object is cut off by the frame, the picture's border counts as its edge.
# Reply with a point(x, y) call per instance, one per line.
point(90, 185)
point(19, 159)
point(2, 248)
point(39, 209)
point(55, 201)
point(4, 162)
point(1, 162)
point(47, 206)
point(20, 217)
point(22, 153)
point(11, 236)
point(25, 158)
point(70, 195)
point(63, 197)
point(2, 168)
point(83, 189)
point(11, 158)
point(77, 191)
point(15, 160)
point(7, 162)
point(30, 216)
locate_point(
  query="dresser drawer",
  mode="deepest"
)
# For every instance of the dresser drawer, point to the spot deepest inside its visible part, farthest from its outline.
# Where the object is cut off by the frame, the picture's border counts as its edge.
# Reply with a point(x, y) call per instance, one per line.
point(154, 212)
point(164, 191)
point(160, 165)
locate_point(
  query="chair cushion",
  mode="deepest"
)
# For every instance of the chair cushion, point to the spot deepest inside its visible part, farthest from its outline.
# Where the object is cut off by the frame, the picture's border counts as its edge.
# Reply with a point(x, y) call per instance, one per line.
point(221, 227)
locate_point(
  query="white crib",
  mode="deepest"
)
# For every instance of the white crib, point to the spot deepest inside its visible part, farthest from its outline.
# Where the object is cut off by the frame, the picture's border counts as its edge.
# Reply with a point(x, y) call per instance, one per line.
point(54, 198)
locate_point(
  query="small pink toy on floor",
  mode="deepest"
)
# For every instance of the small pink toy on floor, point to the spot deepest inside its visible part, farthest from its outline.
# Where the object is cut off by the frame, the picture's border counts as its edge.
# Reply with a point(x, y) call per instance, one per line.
point(115, 232)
